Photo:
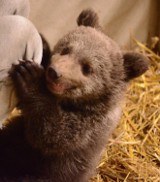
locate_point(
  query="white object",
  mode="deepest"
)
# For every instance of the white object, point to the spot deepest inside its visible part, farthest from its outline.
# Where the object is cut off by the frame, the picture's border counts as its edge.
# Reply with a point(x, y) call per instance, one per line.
point(19, 40)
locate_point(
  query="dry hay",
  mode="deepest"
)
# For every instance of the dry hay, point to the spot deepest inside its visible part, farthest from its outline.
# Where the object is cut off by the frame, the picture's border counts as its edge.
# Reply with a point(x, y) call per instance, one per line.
point(133, 153)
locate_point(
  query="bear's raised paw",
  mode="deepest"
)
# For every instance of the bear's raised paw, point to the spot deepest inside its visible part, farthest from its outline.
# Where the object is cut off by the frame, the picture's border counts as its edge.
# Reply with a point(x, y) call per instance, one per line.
point(26, 75)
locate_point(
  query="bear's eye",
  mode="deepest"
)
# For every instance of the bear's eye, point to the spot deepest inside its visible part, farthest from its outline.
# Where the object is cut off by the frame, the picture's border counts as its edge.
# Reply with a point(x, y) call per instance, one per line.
point(86, 69)
point(65, 50)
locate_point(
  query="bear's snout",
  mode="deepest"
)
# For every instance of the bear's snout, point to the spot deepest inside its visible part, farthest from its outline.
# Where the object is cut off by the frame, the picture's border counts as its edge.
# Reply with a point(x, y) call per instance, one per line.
point(53, 73)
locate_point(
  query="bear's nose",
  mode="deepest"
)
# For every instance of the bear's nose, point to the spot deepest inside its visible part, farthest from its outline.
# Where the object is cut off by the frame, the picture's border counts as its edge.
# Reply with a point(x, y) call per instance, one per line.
point(53, 74)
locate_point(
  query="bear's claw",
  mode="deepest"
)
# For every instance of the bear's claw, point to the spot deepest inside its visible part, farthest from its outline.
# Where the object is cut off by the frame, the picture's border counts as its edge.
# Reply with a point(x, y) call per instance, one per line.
point(25, 76)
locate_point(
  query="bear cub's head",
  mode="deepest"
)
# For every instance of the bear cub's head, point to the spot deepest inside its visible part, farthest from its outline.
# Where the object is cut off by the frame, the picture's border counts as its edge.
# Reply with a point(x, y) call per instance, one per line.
point(88, 64)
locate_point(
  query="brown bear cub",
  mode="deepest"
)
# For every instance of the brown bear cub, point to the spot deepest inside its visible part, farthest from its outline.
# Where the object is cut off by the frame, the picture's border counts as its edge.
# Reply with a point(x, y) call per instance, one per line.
point(69, 107)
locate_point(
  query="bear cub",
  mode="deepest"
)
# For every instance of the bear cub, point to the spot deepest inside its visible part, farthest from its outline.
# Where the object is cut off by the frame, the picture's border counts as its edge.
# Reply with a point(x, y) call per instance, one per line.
point(70, 106)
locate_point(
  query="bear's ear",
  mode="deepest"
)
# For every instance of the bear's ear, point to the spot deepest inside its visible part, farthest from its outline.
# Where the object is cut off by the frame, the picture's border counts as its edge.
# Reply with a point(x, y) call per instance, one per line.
point(88, 18)
point(135, 64)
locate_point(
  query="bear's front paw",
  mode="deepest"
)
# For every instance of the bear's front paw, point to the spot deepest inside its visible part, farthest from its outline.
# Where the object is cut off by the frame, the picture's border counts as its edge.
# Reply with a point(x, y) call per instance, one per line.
point(27, 77)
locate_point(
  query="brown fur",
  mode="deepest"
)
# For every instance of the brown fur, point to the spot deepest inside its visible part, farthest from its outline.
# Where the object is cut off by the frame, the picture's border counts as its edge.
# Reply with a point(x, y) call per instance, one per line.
point(69, 109)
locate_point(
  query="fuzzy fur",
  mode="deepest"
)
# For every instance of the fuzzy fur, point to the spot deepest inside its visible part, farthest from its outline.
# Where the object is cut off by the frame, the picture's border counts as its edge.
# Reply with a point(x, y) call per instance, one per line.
point(69, 109)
